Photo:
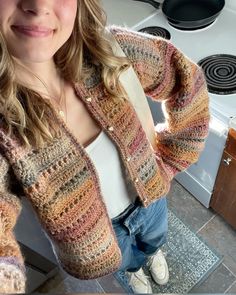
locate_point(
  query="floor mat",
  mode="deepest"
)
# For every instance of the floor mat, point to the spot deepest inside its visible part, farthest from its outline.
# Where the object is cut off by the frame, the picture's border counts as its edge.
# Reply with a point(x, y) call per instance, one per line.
point(189, 258)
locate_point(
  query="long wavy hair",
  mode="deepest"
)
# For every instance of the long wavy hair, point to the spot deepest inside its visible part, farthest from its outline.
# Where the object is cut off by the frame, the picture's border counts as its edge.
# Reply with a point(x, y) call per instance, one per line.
point(24, 112)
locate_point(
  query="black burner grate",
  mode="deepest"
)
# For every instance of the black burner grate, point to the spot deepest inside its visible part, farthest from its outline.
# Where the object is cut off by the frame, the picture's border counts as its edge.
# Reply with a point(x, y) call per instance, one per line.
point(157, 31)
point(220, 73)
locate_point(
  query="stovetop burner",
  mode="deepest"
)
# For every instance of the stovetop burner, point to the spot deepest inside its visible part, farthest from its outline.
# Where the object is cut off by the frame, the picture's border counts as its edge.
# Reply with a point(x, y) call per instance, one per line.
point(220, 73)
point(157, 31)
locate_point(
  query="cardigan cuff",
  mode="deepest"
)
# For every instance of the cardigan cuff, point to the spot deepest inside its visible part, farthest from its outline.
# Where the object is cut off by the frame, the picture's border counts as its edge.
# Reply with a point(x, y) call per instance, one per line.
point(12, 276)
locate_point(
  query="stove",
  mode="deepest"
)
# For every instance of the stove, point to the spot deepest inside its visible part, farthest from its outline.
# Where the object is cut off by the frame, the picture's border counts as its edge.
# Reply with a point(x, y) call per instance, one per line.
point(214, 49)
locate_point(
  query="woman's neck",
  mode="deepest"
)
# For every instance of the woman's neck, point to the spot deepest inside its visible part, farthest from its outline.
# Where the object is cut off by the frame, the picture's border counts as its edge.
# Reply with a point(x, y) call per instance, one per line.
point(43, 78)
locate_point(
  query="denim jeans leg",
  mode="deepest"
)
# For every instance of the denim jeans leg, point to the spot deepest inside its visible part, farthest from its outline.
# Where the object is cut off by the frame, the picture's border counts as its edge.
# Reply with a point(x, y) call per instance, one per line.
point(141, 233)
point(153, 231)
point(132, 257)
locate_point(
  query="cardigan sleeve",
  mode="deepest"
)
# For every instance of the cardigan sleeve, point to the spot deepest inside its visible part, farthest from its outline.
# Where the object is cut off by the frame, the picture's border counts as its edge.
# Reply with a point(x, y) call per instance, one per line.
point(170, 77)
point(12, 270)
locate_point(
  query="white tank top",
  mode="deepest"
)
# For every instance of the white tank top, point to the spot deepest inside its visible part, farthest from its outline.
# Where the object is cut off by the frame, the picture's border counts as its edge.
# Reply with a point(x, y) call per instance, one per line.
point(117, 190)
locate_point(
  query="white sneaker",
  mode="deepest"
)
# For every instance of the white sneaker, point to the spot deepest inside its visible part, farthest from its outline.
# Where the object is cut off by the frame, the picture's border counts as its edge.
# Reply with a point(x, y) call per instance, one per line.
point(139, 282)
point(159, 268)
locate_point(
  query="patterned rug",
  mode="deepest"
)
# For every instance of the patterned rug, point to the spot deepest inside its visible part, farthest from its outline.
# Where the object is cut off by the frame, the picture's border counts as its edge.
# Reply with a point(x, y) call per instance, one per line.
point(189, 258)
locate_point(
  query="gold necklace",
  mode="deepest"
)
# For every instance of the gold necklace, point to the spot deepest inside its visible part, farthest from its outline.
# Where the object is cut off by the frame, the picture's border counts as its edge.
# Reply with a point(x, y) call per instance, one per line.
point(62, 99)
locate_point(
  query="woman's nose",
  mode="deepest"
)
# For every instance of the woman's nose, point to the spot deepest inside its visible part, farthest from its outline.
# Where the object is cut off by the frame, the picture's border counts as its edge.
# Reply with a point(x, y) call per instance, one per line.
point(36, 7)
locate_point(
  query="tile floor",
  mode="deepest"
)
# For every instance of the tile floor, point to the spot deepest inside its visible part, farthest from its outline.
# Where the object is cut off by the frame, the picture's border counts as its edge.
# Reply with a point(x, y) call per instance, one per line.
point(210, 226)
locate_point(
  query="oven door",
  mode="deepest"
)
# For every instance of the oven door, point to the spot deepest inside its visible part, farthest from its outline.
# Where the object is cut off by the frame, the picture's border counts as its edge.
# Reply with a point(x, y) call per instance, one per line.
point(199, 178)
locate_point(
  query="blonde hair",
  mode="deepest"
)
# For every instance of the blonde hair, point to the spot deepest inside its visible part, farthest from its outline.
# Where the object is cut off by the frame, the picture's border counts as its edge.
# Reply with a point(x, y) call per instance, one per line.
point(24, 112)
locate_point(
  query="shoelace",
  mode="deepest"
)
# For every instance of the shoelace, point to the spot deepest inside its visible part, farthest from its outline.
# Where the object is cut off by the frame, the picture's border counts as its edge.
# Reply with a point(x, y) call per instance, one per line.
point(141, 279)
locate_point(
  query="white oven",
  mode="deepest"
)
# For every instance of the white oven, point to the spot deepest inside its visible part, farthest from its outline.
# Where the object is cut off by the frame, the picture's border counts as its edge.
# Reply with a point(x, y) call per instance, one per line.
point(216, 39)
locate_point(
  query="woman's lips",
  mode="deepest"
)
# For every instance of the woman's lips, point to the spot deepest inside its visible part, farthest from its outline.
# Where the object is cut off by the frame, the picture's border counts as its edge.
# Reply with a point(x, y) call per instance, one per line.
point(33, 31)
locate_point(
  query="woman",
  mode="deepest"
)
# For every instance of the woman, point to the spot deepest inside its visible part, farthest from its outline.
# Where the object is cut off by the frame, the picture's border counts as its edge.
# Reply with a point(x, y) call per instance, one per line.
point(73, 145)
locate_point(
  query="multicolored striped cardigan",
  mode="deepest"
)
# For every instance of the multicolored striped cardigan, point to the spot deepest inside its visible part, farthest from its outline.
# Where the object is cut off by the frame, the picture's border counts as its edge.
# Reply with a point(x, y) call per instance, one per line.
point(61, 181)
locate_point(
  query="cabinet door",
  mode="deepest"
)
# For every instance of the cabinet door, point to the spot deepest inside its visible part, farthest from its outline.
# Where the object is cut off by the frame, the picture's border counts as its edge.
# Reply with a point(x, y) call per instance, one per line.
point(223, 200)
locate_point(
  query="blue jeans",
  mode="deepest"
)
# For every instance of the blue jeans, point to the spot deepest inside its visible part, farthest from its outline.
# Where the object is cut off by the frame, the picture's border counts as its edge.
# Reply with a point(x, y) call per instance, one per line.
point(140, 232)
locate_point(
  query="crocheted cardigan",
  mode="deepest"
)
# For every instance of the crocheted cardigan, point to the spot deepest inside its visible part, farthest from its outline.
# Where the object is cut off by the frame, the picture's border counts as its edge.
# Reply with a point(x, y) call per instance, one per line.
point(61, 182)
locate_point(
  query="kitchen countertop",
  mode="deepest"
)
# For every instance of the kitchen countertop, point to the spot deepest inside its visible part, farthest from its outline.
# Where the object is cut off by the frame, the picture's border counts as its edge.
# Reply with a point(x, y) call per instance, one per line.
point(232, 123)
point(126, 12)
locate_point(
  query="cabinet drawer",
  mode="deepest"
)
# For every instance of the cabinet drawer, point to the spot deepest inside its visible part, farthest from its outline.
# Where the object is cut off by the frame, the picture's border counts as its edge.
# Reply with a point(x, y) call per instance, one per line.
point(231, 143)
point(223, 199)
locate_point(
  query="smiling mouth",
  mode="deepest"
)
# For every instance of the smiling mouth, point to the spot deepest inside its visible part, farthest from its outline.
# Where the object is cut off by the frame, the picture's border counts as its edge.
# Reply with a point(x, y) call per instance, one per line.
point(33, 31)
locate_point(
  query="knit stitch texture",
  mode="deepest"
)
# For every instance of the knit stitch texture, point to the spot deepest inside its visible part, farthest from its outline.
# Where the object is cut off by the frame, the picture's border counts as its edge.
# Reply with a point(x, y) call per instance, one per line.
point(61, 182)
